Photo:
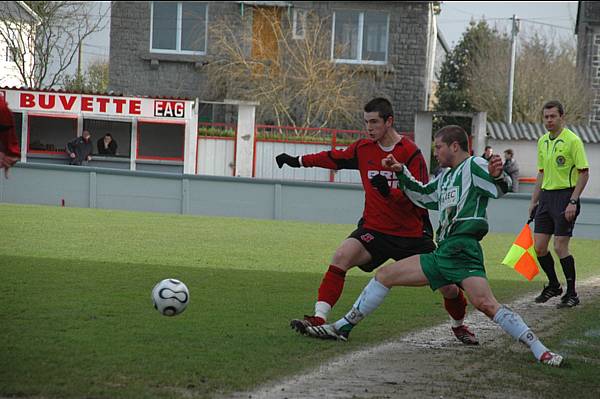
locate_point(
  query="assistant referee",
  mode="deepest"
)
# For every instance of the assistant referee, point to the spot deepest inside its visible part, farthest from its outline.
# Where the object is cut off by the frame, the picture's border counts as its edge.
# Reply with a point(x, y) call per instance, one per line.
point(563, 172)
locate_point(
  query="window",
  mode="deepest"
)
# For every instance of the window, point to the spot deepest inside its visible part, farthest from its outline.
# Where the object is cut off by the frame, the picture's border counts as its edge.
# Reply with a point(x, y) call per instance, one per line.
point(360, 37)
point(298, 24)
point(178, 27)
point(51, 134)
point(120, 131)
point(160, 140)
point(10, 55)
point(18, 126)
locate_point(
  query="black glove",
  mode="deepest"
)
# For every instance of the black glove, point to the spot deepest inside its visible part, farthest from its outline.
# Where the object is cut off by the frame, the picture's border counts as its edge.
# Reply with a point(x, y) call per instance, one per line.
point(380, 183)
point(285, 159)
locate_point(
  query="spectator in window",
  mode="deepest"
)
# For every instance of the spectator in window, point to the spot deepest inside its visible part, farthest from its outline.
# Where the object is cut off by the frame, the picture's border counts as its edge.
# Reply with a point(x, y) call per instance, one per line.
point(107, 145)
point(9, 146)
point(80, 149)
point(511, 168)
point(487, 153)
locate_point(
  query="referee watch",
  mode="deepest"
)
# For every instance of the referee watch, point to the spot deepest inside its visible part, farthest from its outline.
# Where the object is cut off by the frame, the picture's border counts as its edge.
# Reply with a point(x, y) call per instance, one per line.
point(573, 202)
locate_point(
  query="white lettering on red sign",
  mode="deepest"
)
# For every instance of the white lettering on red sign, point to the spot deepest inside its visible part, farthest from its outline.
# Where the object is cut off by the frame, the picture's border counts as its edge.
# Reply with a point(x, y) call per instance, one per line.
point(75, 103)
point(169, 109)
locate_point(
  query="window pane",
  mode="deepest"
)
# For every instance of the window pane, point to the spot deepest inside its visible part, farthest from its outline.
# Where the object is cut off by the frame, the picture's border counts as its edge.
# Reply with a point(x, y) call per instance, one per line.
point(160, 140)
point(120, 132)
point(346, 35)
point(51, 134)
point(299, 23)
point(193, 26)
point(164, 25)
point(18, 125)
point(375, 36)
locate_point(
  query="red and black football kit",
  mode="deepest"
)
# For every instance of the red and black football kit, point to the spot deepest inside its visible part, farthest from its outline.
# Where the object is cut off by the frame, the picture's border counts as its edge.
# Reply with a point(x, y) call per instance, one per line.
point(391, 226)
point(8, 139)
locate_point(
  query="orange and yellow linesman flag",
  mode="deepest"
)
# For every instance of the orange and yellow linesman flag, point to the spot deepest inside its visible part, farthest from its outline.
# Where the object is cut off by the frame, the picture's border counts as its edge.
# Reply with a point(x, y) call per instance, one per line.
point(522, 256)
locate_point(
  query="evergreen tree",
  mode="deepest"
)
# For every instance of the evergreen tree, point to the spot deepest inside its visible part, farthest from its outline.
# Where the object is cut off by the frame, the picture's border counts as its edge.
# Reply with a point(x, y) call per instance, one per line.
point(453, 90)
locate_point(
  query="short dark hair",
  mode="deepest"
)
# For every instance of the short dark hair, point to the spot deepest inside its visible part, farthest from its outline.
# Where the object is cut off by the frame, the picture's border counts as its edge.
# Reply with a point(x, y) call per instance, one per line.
point(509, 151)
point(380, 105)
point(555, 104)
point(487, 147)
point(451, 133)
point(109, 135)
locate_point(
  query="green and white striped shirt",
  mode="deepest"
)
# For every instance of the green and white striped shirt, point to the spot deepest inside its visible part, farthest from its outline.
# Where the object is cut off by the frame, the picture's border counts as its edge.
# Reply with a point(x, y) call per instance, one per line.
point(460, 194)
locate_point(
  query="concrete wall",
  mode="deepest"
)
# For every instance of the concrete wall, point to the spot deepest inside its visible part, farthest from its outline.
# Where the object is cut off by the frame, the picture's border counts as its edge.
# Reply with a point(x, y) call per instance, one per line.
point(230, 196)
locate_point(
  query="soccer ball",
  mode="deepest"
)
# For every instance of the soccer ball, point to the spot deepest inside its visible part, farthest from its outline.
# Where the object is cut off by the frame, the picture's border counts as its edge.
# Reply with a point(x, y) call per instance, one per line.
point(170, 297)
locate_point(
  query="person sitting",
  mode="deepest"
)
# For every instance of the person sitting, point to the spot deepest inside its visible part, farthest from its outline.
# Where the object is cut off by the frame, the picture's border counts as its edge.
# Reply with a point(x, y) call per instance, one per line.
point(511, 168)
point(107, 145)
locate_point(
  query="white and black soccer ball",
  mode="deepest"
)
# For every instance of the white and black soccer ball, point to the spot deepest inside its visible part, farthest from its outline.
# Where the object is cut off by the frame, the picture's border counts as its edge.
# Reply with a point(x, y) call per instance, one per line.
point(170, 297)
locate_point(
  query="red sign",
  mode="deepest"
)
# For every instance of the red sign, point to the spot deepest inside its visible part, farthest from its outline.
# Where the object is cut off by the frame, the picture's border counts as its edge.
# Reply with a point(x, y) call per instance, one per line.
point(80, 103)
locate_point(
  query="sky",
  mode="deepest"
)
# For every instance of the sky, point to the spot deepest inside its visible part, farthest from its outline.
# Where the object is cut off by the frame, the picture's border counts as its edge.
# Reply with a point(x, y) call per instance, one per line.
point(452, 21)
point(555, 19)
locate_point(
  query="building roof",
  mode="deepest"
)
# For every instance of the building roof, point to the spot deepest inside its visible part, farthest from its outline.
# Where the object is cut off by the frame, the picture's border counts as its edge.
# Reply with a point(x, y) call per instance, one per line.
point(533, 131)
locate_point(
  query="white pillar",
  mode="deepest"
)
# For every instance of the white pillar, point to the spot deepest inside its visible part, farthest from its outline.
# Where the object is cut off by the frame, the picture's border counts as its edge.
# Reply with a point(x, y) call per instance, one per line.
point(423, 134)
point(191, 138)
point(244, 151)
point(478, 130)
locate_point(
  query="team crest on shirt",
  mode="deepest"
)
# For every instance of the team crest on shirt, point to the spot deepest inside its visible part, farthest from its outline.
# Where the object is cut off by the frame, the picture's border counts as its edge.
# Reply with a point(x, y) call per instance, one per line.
point(560, 160)
point(449, 198)
point(368, 237)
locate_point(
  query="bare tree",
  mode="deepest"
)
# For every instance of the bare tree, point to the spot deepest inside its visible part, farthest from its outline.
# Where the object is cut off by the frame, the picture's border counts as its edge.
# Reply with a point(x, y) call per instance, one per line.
point(545, 70)
point(43, 47)
point(295, 80)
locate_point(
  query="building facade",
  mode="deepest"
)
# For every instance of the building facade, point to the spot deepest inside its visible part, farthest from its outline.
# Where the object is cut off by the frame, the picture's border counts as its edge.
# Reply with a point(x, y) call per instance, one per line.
point(164, 48)
point(17, 26)
point(587, 29)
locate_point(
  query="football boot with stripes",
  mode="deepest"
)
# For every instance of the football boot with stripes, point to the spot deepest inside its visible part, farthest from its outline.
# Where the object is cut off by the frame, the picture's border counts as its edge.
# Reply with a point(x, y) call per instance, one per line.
point(551, 359)
point(465, 336)
point(300, 325)
point(327, 331)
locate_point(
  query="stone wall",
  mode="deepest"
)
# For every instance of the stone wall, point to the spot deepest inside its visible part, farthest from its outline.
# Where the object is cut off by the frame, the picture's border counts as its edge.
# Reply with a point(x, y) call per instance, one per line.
point(134, 70)
point(588, 52)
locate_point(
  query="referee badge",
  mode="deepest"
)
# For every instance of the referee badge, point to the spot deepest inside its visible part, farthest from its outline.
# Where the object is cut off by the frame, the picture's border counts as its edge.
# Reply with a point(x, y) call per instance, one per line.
point(560, 160)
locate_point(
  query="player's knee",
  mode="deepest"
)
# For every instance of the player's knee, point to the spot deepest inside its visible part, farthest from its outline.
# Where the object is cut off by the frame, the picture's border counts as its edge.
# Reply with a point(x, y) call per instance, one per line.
point(340, 259)
point(541, 249)
point(385, 276)
point(561, 249)
point(449, 291)
point(485, 305)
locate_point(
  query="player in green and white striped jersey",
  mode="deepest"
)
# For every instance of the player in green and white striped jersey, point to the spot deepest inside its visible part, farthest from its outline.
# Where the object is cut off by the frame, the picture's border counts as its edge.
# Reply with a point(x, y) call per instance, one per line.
point(461, 194)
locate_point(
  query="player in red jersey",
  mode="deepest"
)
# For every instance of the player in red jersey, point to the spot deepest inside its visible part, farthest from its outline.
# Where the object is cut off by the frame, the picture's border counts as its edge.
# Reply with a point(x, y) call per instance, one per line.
point(9, 146)
point(391, 225)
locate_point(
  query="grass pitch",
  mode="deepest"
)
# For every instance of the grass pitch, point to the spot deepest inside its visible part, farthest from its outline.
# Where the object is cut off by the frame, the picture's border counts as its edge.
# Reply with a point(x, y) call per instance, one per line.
point(77, 320)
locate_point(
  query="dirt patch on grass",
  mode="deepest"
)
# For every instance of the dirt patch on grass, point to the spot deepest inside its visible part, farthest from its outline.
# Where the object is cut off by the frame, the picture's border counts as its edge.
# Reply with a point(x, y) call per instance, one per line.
point(427, 364)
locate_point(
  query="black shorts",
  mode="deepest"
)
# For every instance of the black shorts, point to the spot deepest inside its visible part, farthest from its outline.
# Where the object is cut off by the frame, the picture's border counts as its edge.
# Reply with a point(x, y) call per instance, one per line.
point(550, 215)
point(383, 246)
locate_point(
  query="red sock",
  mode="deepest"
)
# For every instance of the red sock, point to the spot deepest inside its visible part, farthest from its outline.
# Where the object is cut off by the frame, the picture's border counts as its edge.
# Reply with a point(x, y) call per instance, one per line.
point(332, 285)
point(456, 307)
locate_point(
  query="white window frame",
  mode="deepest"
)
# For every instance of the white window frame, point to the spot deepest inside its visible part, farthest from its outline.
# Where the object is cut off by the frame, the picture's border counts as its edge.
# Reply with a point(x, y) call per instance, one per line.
point(298, 17)
point(178, 50)
point(361, 21)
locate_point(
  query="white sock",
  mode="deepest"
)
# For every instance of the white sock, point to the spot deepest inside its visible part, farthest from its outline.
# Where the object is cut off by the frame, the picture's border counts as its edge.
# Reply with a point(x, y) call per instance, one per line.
point(322, 309)
point(369, 299)
point(457, 323)
point(514, 325)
